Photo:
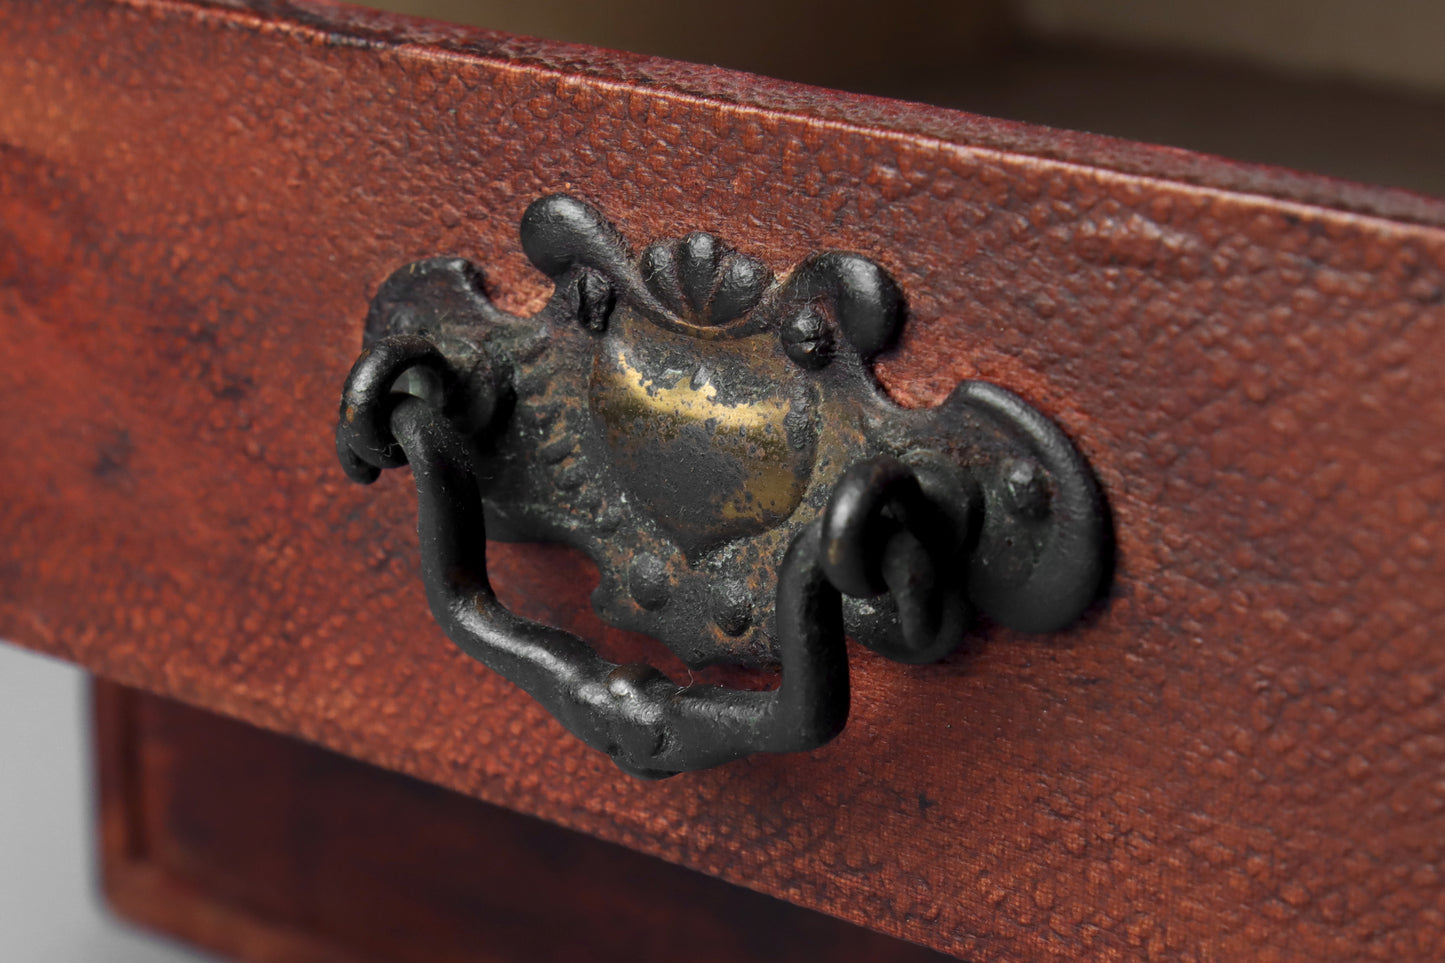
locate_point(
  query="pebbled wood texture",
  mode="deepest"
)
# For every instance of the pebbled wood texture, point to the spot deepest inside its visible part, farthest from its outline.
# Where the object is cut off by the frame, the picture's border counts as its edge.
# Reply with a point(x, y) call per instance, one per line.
point(1239, 754)
point(271, 850)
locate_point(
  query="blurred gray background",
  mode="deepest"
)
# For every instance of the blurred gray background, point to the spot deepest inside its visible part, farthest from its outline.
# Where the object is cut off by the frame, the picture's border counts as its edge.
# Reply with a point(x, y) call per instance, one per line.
point(1351, 88)
point(49, 909)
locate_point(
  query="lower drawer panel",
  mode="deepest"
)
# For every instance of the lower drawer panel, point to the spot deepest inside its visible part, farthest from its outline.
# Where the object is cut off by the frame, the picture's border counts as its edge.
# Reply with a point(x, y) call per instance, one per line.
point(274, 851)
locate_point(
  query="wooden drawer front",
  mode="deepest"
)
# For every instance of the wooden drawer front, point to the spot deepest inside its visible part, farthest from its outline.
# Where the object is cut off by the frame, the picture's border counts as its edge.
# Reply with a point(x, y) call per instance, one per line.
point(1238, 755)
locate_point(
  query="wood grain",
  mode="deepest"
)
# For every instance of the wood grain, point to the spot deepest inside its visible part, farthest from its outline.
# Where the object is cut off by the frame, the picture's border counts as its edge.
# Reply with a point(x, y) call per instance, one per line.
point(271, 850)
point(1238, 755)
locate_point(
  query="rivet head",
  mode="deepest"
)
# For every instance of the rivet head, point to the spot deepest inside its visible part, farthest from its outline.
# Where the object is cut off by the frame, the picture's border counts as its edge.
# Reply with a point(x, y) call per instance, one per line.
point(806, 338)
point(1025, 489)
point(731, 607)
point(648, 582)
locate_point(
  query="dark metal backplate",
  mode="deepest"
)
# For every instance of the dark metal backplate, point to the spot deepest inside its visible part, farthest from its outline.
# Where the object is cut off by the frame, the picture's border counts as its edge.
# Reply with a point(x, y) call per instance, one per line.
point(680, 416)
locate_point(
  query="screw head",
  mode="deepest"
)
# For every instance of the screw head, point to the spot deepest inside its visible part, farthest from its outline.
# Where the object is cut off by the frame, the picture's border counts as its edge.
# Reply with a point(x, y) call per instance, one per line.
point(647, 581)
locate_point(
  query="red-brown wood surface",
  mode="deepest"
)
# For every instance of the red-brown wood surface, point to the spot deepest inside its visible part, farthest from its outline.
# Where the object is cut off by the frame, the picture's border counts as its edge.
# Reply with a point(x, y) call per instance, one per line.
point(271, 850)
point(1239, 755)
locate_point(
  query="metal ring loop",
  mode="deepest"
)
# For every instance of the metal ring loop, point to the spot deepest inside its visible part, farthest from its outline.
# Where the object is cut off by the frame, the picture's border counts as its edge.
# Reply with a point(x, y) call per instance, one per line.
point(364, 441)
point(877, 538)
point(933, 611)
point(871, 502)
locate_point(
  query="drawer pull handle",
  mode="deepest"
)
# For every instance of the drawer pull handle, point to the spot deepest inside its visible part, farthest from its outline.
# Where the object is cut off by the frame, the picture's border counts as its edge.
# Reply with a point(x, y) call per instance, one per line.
point(713, 438)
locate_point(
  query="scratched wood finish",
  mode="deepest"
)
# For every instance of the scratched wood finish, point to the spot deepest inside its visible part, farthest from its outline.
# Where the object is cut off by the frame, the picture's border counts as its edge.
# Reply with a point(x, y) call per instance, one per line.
point(1236, 756)
point(272, 850)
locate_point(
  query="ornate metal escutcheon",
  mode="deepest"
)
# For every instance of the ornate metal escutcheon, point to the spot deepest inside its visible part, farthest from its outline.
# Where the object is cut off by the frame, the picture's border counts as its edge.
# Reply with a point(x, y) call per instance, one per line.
point(712, 436)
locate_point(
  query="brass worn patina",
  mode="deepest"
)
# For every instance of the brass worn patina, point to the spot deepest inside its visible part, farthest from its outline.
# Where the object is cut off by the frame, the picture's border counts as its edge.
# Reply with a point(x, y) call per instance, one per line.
point(715, 439)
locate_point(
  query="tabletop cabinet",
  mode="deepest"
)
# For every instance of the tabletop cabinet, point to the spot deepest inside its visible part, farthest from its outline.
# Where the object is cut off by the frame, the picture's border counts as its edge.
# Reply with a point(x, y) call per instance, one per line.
point(1235, 753)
